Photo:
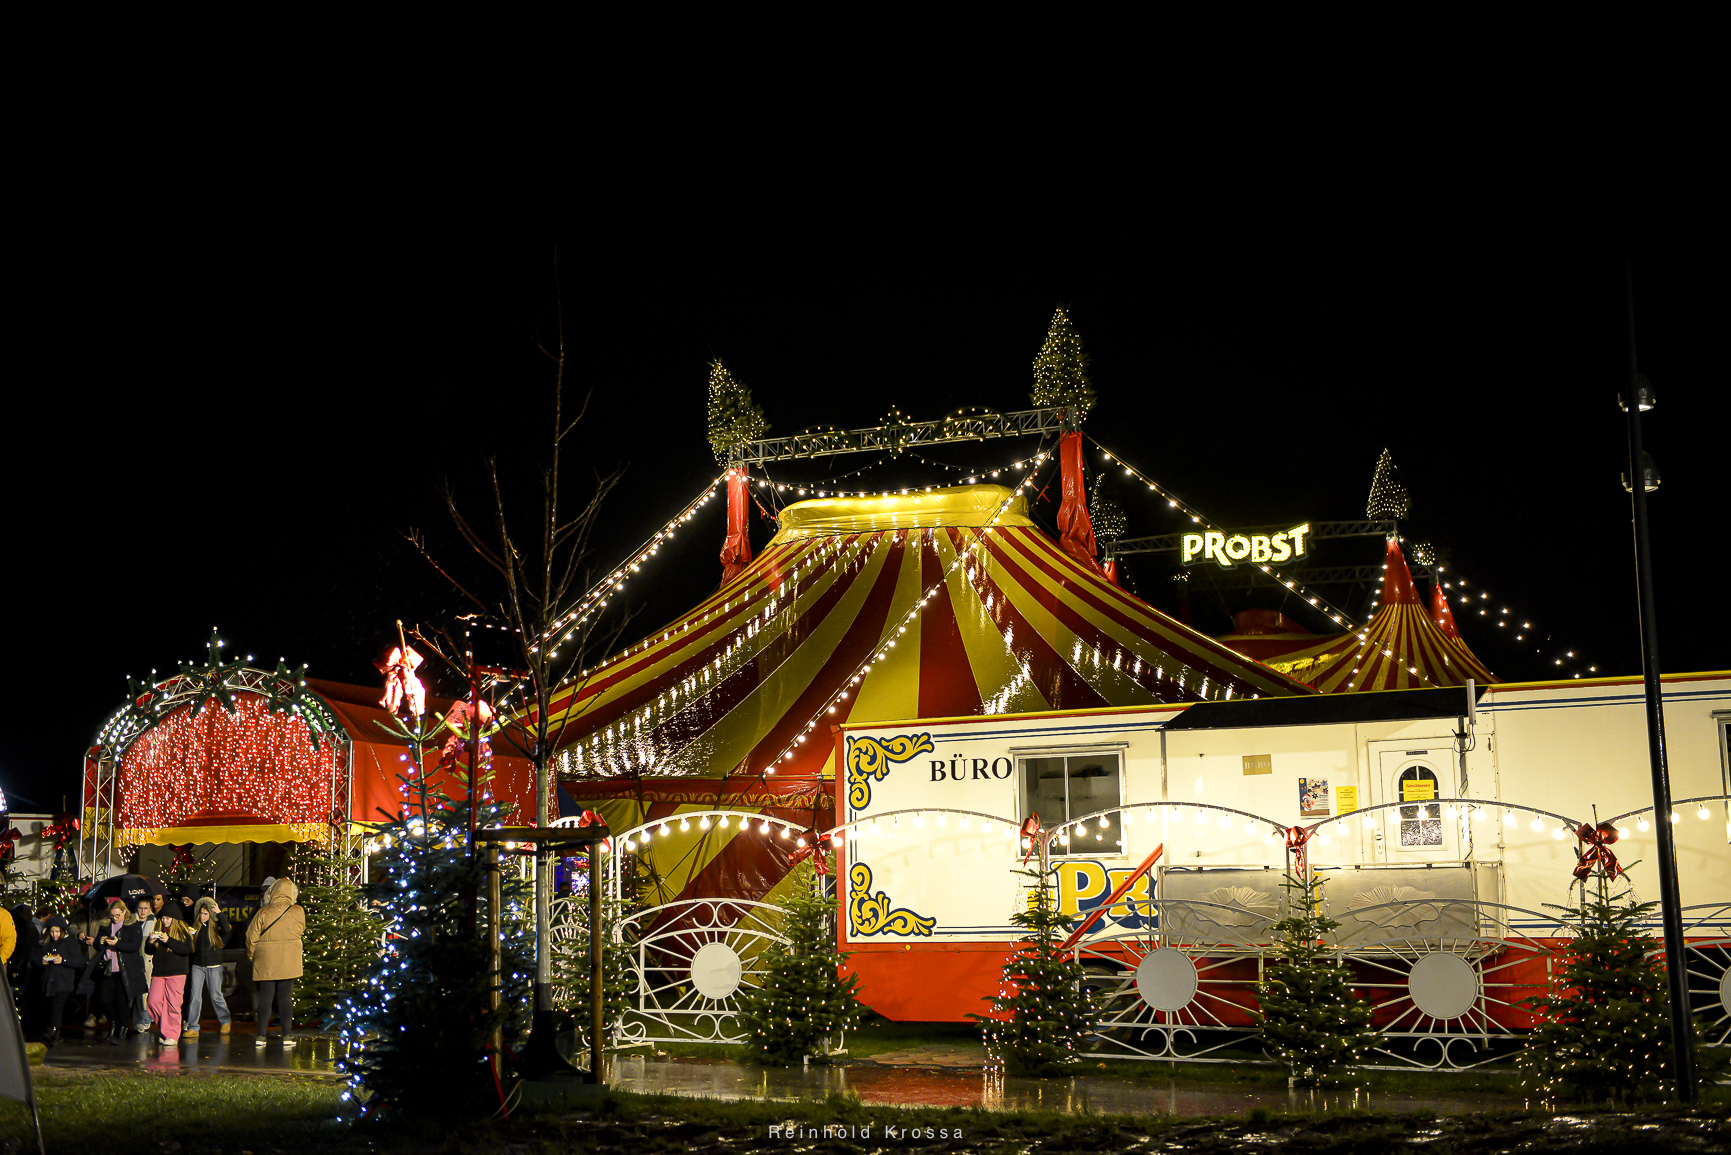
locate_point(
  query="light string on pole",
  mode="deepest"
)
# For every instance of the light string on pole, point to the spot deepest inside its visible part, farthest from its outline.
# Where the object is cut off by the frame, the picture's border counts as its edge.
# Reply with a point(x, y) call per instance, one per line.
point(802, 489)
point(597, 595)
point(1339, 616)
point(1471, 595)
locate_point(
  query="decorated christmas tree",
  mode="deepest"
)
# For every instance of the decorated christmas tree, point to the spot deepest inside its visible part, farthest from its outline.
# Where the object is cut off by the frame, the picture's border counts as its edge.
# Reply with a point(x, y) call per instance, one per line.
point(420, 1020)
point(1605, 1028)
point(1309, 1017)
point(1388, 497)
point(803, 1000)
point(1061, 370)
point(734, 418)
point(1044, 1012)
point(342, 939)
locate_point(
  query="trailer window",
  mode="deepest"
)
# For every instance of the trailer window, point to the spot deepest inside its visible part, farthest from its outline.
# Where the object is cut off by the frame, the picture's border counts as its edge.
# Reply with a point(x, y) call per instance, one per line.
point(1420, 825)
point(1063, 788)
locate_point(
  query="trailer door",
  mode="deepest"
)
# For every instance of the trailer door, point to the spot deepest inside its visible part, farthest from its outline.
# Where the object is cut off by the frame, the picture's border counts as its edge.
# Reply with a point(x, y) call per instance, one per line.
point(1417, 778)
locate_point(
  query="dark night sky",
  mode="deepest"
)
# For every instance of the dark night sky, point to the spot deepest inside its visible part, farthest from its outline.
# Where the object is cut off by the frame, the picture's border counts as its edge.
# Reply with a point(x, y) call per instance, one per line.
point(269, 419)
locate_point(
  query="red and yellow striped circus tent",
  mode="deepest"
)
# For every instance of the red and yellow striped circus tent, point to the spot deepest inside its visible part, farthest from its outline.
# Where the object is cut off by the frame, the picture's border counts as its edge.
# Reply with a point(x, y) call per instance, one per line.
point(698, 716)
point(1009, 623)
point(1400, 648)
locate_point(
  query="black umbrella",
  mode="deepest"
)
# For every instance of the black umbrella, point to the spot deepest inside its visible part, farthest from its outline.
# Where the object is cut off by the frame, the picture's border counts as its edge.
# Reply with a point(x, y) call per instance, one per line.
point(129, 888)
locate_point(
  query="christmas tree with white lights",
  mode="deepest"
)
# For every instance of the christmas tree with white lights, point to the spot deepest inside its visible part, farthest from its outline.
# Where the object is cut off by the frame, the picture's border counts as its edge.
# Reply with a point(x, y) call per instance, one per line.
point(1061, 370)
point(1309, 1018)
point(570, 952)
point(803, 1000)
point(343, 935)
point(420, 1020)
point(734, 418)
point(1605, 1029)
point(1388, 497)
point(1043, 1012)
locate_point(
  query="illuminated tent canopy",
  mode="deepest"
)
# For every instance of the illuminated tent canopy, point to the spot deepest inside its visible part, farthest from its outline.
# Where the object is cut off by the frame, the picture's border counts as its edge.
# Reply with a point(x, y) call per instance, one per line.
point(816, 629)
point(1400, 648)
point(230, 753)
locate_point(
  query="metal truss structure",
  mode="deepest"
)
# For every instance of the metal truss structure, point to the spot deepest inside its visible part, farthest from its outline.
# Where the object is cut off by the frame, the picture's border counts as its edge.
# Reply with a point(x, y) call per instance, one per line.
point(100, 858)
point(896, 437)
point(1249, 577)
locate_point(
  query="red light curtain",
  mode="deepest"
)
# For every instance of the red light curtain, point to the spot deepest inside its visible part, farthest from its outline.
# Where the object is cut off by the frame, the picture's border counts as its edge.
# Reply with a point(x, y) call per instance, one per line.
point(250, 763)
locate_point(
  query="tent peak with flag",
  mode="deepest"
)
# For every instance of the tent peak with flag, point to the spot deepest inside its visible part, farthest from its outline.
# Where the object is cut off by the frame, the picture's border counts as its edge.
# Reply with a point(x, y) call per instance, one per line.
point(1007, 622)
point(1401, 647)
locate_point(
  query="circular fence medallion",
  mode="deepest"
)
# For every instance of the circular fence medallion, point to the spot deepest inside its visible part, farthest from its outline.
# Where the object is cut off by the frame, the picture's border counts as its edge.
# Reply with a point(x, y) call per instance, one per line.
point(1443, 986)
point(715, 970)
point(1166, 979)
point(1725, 989)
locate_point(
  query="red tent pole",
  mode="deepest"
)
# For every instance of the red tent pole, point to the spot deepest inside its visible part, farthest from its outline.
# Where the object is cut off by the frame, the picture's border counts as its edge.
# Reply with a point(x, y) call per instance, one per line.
point(1075, 527)
point(736, 548)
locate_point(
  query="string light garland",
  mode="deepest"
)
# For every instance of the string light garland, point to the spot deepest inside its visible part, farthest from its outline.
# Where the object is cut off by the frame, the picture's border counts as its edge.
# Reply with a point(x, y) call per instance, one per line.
point(1474, 596)
point(1339, 616)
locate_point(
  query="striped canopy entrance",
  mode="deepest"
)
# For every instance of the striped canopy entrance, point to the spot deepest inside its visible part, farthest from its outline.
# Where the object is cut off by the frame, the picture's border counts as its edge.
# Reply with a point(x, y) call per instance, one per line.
point(1400, 648)
point(1008, 623)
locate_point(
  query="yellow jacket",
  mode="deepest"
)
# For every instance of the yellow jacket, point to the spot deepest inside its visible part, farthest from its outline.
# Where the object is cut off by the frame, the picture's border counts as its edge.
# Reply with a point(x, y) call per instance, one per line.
point(8, 936)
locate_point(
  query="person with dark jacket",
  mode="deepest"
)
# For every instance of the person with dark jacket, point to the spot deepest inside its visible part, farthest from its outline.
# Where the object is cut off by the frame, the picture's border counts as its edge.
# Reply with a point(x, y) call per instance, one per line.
point(23, 968)
point(118, 946)
point(171, 946)
point(60, 959)
point(210, 930)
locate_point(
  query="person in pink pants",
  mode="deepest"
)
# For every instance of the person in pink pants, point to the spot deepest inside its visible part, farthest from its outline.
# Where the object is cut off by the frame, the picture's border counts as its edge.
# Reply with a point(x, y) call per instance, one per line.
point(171, 946)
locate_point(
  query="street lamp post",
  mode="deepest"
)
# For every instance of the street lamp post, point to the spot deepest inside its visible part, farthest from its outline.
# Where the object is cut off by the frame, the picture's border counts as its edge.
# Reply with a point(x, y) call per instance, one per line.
point(1642, 477)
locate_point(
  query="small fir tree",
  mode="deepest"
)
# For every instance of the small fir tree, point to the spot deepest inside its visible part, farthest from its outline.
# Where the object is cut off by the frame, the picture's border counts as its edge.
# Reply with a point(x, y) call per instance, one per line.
point(804, 999)
point(1388, 497)
point(1605, 1028)
point(1043, 1011)
point(1061, 370)
point(734, 418)
point(420, 1021)
point(1309, 1018)
point(342, 940)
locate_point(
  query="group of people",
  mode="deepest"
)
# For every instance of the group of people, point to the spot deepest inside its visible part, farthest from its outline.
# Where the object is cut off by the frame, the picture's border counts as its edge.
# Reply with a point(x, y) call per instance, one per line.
point(150, 966)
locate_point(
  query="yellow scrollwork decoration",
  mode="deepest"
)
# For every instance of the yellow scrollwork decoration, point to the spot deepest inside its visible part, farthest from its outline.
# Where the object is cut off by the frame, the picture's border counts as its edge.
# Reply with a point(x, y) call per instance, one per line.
point(869, 758)
point(871, 913)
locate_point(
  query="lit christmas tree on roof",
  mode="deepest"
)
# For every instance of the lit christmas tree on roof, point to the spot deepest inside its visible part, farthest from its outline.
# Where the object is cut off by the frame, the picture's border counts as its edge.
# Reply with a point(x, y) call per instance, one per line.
point(733, 417)
point(1061, 370)
point(1388, 497)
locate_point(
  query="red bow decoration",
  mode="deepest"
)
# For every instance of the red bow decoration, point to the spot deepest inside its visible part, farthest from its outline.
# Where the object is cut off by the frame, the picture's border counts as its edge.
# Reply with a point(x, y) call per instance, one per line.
point(9, 843)
point(183, 856)
point(1296, 839)
point(1031, 831)
point(401, 682)
point(818, 855)
point(590, 818)
point(64, 828)
point(1597, 841)
point(457, 718)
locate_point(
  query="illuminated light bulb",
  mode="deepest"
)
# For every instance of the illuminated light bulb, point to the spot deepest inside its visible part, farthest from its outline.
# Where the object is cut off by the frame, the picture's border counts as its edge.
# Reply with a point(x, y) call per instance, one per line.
point(963, 822)
point(1102, 821)
point(705, 823)
point(985, 827)
point(1478, 814)
point(1641, 825)
point(1369, 821)
point(920, 819)
point(1250, 828)
point(763, 827)
point(1322, 838)
point(630, 846)
point(1558, 833)
point(664, 831)
point(724, 819)
point(1509, 818)
point(1064, 836)
point(942, 821)
point(1538, 823)
point(1674, 816)
point(835, 839)
point(1448, 811)
point(1703, 814)
point(1149, 814)
point(1226, 822)
point(643, 836)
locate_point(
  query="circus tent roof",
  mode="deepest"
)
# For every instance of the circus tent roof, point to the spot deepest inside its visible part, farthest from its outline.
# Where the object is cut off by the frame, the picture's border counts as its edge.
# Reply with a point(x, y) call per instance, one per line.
point(1399, 648)
point(1010, 623)
point(1441, 614)
point(1264, 634)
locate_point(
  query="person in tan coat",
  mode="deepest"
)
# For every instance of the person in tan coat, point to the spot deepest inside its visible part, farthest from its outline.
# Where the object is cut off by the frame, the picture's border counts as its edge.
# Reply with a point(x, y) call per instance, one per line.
point(273, 943)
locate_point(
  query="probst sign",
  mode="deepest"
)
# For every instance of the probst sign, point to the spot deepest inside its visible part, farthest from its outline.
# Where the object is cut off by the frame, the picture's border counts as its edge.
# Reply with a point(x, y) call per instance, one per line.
point(1228, 549)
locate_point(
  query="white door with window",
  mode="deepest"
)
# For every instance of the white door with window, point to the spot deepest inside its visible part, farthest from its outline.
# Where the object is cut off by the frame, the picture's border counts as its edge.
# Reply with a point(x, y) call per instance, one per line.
point(1416, 776)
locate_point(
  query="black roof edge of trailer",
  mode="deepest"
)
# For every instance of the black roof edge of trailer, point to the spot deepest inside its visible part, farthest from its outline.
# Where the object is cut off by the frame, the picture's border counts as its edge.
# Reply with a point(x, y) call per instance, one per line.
point(1322, 709)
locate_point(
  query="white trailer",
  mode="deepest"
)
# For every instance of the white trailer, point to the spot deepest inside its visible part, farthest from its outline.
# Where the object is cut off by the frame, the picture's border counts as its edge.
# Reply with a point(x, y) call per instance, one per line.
point(1446, 835)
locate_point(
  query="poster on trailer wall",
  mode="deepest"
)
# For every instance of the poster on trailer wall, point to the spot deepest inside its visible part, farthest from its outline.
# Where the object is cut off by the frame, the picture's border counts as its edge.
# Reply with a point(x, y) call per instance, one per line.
point(1313, 798)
